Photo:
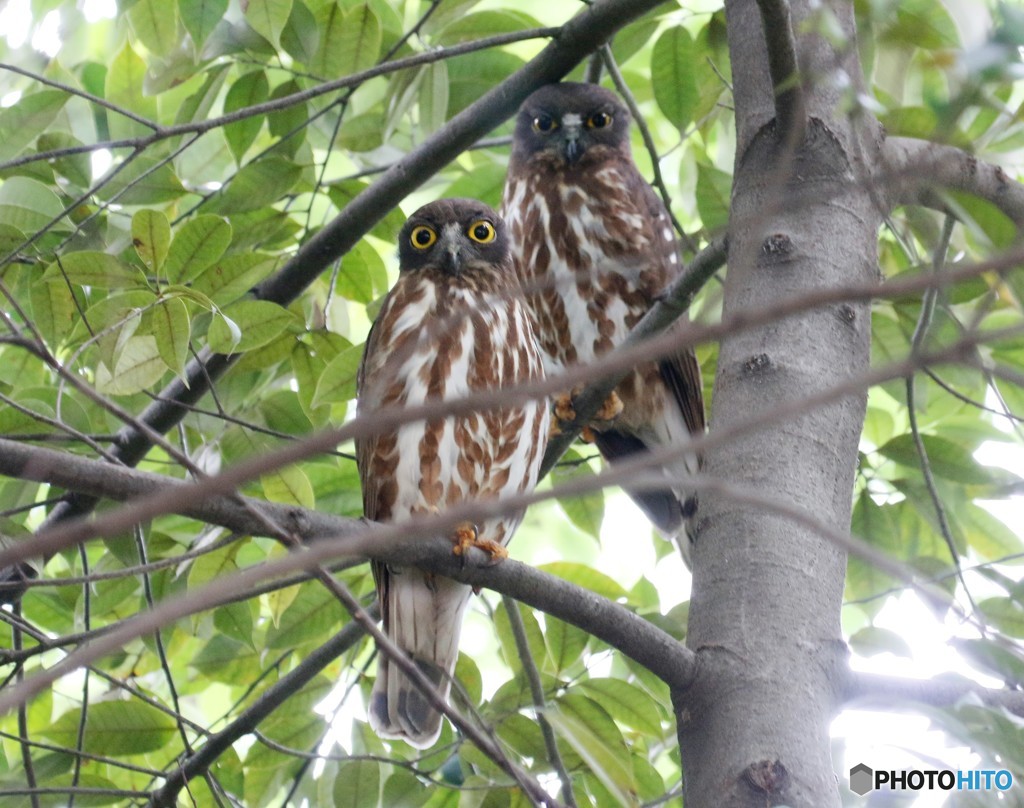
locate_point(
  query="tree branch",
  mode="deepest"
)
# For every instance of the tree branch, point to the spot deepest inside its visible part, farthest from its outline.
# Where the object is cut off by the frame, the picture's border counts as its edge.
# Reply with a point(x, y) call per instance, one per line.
point(914, 170)
point(872, 687)
point(790, 109)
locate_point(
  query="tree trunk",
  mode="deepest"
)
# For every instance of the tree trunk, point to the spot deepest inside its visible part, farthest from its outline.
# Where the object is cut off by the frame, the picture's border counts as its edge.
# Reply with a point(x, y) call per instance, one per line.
point(767, 593)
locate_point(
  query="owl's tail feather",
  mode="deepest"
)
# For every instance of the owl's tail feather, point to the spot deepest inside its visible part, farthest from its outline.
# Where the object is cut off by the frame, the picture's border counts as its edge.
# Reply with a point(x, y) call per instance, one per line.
point(423, 617)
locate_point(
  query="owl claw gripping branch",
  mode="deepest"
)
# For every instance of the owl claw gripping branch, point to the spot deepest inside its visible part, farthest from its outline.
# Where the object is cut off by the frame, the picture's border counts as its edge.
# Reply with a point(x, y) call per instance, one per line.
point(453, 325)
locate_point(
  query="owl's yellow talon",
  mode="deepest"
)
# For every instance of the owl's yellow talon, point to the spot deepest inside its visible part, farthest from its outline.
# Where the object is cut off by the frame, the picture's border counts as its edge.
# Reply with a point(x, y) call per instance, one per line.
point(611, 409)
point(468, 535)
point(564, 410)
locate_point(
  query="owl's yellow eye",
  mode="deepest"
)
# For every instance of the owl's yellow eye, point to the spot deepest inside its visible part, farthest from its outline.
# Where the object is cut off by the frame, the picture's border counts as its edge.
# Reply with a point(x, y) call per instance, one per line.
point(422, 237)
point(481, 231)
point(599, 120)
point(544, 124)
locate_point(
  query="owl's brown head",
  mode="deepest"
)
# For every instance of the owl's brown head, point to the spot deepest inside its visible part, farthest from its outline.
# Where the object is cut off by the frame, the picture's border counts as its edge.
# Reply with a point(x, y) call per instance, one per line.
point(454, 236)
point(567, 122)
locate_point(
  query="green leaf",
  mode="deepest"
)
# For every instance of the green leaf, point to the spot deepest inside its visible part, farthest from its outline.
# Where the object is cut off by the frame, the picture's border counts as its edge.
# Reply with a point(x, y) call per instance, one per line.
point(259, 321)
point(1004, 614)
point(626, 703)
point(139, 366)
point(53, 310)
point(308, 618)
point(947, 459)
point(586, 511)
point(358, 42)
point(96, 269)
point(338, 380)
point(23, 122)
point(252, 88)
point(196, 246)
point(125, 83)
point(565, 643)
point(233, 276)
point(155, 23)
point(587, 577)
point(171, 327)
point(922, 24)
point(873, 640)
point(675, 88)
point(201, 17)
point(268, 18)
point(28, 205)
point(236, 620)
point(146, 180)
point(714, 188)
point(357, 784)
point(151, 235)
point(289, 485)
point(114, 728)
point(592, 734)
point(258, 184)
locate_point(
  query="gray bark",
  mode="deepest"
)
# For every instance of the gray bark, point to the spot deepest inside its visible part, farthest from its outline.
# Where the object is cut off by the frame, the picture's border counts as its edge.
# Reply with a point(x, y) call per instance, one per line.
point(767, 593)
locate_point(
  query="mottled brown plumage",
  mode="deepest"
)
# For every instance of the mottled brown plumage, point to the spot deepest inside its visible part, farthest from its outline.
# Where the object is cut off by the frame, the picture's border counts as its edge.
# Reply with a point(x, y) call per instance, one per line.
point(594, 247)
point(453, 325)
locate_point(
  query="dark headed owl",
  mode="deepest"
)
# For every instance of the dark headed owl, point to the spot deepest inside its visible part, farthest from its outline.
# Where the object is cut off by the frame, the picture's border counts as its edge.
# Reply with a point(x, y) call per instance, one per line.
point(594, 247)
point(454, 324)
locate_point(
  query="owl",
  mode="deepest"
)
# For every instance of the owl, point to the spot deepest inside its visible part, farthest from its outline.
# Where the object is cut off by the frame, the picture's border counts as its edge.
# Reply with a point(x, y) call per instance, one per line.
point(453, 325)
point(594, 248)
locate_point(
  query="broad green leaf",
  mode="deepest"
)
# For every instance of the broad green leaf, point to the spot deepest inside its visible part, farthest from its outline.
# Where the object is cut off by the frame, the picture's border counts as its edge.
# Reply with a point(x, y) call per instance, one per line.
point(300, 36)
point(358, 41)
point(53, 310)
point(474, 74)
point(946, 459)
point(125, 87)
point(114, 728)
point(338, 380)
point(223, 659)
point(236, 620)
point(139, 366)
point(534, 637)
point(172, 328)
point(363, 275)
point(675, 88)
point(151, 235)
point(258, 184)
point(587, 577)
point(146, 180)
point(233, 276)
point(586, 511)
point(196, 246)
point(362, 133)
point(626, 703)
point(28, 205)
point(357, 784)
point(330, 22)
point(252, 88)
point(259, 321)
point(310, 616)
point(268, 18)
point(434, 97)
point(873, 640)
point(592, 734)
point(565, 643)
point(714, 188)
point(922, 24)
point(1005, 614)
point(289, 485)
point(201, 17)
point(95, 269)
point(23, 122)
point(155, 23)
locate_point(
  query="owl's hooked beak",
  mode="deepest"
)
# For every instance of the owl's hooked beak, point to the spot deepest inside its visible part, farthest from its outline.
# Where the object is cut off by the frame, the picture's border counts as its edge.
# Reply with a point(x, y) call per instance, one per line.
point(571, 146)
point(451, 251)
